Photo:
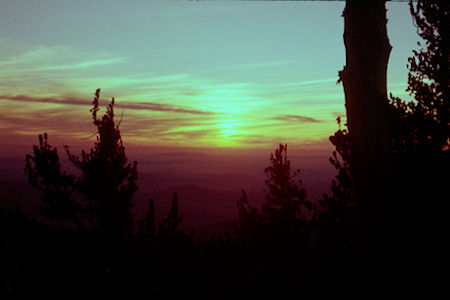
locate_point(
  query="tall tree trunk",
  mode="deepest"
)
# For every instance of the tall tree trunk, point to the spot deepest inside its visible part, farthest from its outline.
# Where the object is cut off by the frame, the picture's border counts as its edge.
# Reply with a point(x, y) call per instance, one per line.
point(364, 80)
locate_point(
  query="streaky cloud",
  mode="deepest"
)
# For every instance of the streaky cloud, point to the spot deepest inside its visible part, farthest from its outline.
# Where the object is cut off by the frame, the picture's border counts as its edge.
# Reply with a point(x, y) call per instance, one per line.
point(317, 81)
point(295, 118)
point(44, 58)
point(260, 65)
point(330, 81)
point(151, 106)
point(84, 64)
point(162, 107)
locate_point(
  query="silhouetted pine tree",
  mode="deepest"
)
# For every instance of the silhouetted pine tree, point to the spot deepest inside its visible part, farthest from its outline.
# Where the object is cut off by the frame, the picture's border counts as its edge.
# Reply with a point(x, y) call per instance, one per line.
point(168, 227)
point(147, 225)
point(337, 212)
point(341, 187)
point(429, 68)
point(283, 214)
point(285, 199)
point(108, 181)
point(251, 220)
point(44, 172)
point(422, 170)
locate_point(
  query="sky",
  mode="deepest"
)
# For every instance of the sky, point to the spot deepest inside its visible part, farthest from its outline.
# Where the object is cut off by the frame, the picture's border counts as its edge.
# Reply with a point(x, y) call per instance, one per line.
point(215, 74)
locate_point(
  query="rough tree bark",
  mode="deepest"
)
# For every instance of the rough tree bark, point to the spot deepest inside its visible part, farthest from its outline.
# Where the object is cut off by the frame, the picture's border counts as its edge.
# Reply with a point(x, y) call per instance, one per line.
point(364, 81)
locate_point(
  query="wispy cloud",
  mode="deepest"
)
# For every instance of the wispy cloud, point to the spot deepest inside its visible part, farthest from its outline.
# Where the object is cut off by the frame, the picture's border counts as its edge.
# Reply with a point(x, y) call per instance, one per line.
point(74, 123)
point(312, 82)
point(62, 101)
point(83, 64)
point(37, 55)
point(295, 118)
point(260, 65)
point(163, 107)
point(317, 81)
point(54, 58)
point(124, 105)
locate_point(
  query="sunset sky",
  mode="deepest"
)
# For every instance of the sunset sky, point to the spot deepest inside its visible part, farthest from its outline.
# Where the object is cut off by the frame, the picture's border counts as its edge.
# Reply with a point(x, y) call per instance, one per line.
point(184, 73)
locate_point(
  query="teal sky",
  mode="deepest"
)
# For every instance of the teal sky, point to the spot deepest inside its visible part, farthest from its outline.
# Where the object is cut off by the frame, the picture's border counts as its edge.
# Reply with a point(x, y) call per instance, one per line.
point(203, 73)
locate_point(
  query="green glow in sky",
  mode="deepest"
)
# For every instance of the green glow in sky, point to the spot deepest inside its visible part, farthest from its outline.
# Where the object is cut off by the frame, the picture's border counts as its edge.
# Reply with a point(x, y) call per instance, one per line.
point(225, 74)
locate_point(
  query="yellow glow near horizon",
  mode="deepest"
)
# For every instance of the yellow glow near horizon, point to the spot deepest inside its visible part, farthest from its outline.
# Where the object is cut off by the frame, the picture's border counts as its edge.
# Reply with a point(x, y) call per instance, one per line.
point(227, 130)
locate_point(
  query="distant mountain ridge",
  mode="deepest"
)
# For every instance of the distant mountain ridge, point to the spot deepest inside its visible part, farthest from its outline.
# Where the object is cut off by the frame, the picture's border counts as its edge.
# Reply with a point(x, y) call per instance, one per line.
point(208, 186)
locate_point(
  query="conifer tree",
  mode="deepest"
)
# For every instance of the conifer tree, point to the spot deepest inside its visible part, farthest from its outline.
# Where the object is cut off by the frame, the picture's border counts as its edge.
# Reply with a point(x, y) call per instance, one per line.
point(250, 219)
point(285, 198)
point(429, 68)
point(44, 172)
point(147, 225)
point(169, 226)
point(282, 214)
point(337, 212)
point(106, 186)
point(108, 181)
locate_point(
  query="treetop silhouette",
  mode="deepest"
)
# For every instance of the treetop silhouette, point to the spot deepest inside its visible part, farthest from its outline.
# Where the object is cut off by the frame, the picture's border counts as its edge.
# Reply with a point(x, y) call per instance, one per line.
point(107, 182)
point(285, 198)
point(282, 214)
point(429, 68)
point(44, 172)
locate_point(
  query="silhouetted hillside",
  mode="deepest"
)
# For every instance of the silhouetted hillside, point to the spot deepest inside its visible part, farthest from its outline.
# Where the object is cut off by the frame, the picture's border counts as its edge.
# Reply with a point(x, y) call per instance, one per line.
point(199, 205)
